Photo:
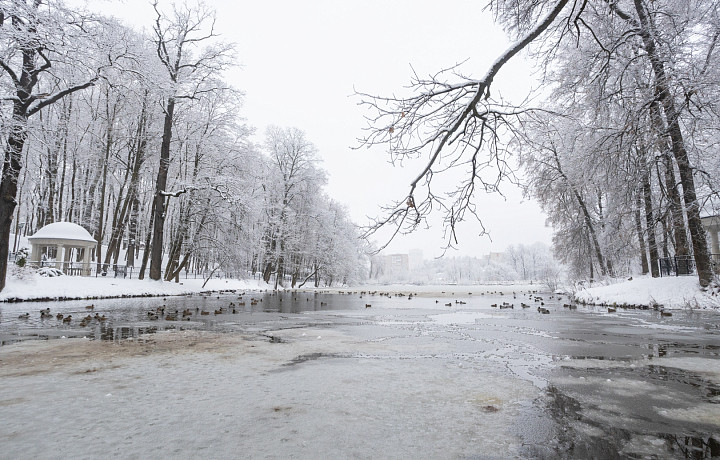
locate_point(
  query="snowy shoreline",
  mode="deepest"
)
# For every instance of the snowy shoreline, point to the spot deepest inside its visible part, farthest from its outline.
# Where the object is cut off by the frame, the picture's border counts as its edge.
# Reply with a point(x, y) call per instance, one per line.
point(672, 293)
point(669, 293)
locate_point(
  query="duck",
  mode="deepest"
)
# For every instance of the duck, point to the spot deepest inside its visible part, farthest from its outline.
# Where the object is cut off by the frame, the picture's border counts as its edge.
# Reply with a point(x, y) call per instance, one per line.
point(367, 305)
point(90, 307)
point(665, 313)
point(59, 316)
point(611, 310)
point(24, 316)
point(544, 311)
point(67, 319)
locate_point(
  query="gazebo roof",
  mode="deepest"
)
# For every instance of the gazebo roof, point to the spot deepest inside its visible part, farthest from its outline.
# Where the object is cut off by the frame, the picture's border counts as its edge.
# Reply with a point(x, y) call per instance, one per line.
point(63, 231)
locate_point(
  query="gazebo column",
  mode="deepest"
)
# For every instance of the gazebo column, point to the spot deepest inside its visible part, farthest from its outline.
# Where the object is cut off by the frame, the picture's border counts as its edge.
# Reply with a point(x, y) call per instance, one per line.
point(715, 246)
point(86, 261)
point(35, 253)
point(60, 256)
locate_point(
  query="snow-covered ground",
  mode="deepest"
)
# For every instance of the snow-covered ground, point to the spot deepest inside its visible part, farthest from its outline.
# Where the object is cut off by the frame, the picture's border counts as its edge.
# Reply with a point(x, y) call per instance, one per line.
point(78, 287)
point(669, 292)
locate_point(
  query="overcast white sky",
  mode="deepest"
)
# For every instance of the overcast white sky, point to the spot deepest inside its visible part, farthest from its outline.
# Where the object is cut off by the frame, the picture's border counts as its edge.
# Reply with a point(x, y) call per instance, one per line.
point(301, 61)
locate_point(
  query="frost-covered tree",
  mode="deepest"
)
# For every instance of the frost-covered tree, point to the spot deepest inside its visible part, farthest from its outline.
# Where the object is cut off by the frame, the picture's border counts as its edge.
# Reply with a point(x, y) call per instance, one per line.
point(186, 46)
point(47, 53)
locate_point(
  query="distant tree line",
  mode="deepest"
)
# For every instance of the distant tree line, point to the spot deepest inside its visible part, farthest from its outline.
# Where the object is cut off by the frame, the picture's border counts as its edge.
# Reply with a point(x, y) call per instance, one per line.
point(519, 262)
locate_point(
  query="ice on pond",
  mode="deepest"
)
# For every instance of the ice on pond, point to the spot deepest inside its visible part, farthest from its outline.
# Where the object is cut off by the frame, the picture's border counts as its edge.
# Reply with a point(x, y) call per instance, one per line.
point(460, 317)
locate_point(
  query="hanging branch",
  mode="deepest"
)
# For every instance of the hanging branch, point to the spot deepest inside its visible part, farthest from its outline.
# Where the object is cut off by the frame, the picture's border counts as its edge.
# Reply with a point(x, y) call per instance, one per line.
point(457, 125)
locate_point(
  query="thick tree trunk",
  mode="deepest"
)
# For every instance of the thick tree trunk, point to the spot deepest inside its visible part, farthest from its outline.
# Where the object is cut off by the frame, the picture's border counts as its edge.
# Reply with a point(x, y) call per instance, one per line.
point(161, 184)
point(8, 185)
point(267, 272)
point(692, 207)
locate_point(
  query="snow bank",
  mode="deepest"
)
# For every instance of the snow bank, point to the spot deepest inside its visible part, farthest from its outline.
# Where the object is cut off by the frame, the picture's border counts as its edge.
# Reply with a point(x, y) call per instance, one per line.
point(77, 287)
point(670, 292)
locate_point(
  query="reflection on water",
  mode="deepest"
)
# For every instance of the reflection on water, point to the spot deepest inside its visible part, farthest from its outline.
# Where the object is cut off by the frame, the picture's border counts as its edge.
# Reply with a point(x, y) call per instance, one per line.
point(581, 436)
point(129, 317)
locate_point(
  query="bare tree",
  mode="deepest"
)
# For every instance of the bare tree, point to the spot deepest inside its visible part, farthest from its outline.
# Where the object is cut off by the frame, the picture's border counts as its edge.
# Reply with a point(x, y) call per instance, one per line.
point(456, 125)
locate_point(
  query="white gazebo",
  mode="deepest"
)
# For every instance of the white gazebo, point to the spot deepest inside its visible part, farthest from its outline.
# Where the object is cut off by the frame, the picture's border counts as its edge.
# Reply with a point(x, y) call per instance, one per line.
point(64, 237)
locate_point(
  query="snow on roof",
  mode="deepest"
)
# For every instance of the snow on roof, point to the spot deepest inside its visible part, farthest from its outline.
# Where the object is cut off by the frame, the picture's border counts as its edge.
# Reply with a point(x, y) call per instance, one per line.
point(63, 231)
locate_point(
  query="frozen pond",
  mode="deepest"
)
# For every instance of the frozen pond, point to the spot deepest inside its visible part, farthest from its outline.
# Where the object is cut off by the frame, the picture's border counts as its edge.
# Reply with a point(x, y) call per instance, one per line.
point(353, 375)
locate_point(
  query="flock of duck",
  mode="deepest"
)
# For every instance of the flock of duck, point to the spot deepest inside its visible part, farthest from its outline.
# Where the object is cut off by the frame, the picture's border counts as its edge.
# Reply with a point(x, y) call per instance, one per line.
point(67, 319)
point(167, 314)
point(163, 312)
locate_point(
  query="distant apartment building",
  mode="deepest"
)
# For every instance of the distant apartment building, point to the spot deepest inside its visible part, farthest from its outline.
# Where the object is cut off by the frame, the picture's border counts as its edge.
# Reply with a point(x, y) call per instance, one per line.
point(389, 265)
point(494, 257)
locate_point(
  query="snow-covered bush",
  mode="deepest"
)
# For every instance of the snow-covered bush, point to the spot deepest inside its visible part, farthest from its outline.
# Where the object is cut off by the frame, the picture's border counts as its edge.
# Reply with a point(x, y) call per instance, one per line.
point(21, 256)
point(20, 272)
point(49, 272)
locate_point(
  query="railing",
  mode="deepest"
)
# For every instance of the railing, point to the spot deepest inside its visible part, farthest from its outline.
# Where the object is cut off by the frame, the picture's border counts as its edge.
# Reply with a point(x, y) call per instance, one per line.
point(124, 271)
point(87, 269)
point(676, 265)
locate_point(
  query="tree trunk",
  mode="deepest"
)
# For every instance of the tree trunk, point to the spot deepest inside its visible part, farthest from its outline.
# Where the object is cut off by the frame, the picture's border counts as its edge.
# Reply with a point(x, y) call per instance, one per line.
point(641, 239)
point(99, 230)
point(161, 184)
point(61, 188)
point(674, 204)
point(132, 233)
point(146, 252)
point(650, 224)
point(8, 185)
